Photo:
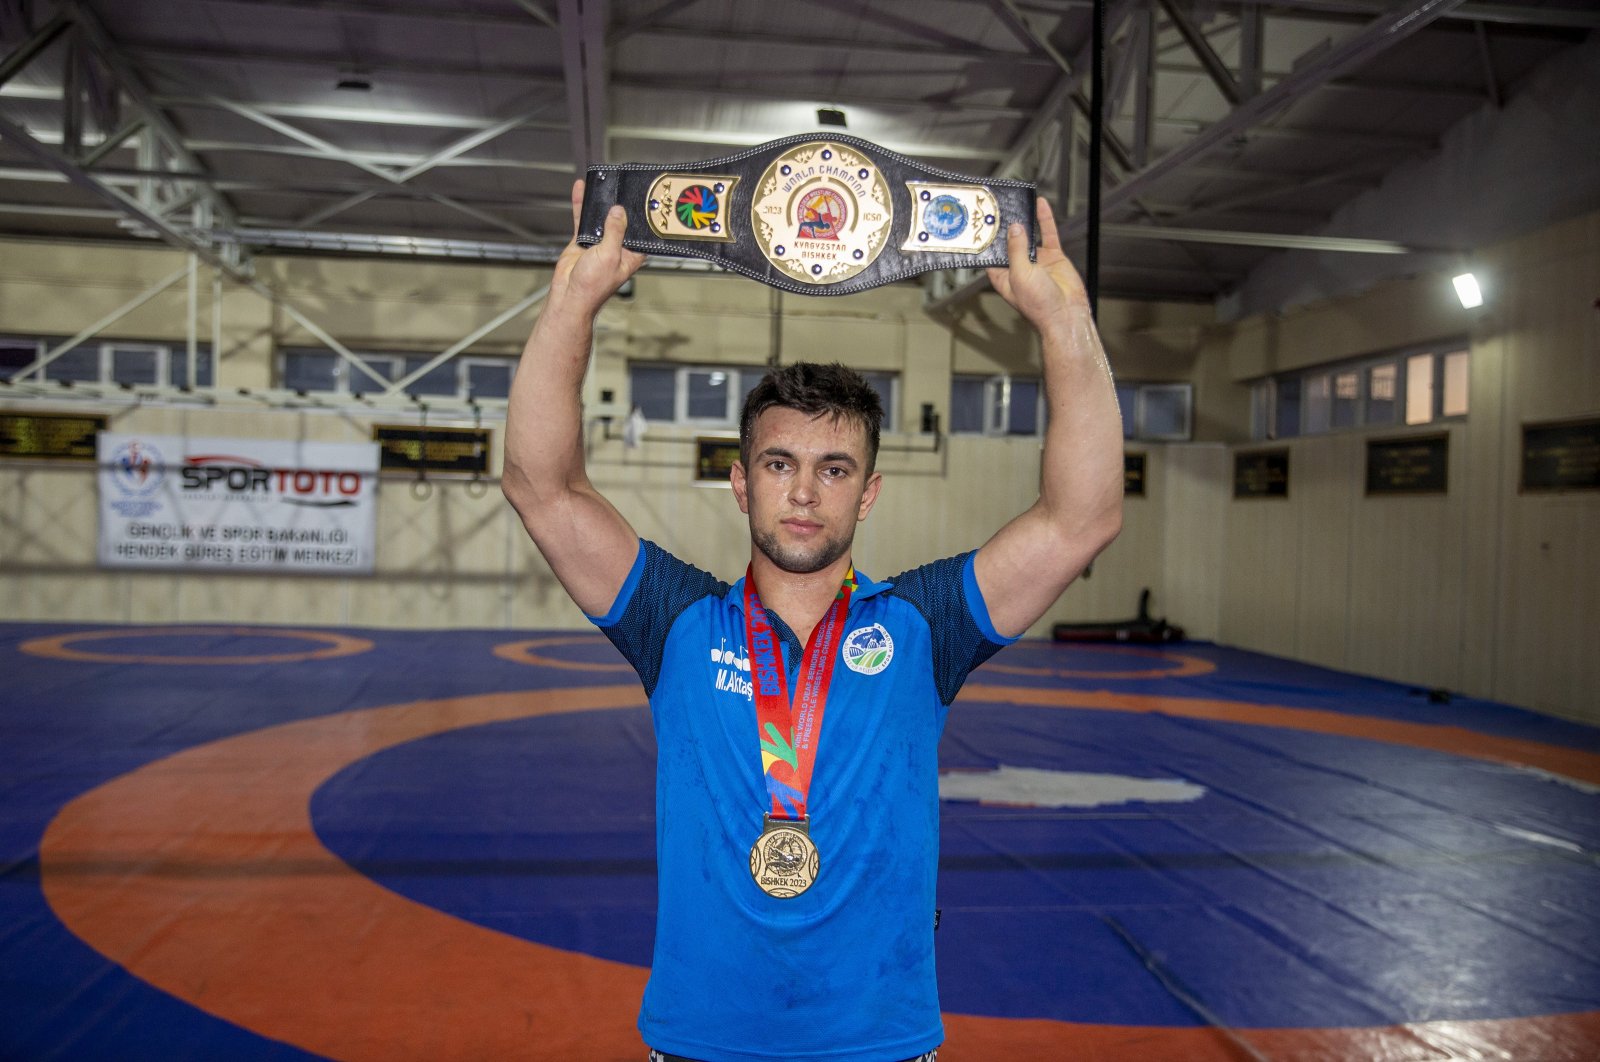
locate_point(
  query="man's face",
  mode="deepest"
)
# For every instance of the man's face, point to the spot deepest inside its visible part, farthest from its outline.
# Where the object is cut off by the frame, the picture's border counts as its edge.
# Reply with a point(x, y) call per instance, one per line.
point(806, 488)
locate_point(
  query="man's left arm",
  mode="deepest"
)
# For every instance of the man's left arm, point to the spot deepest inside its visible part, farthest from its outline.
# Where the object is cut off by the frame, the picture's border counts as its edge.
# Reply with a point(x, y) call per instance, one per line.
point(1027, 565)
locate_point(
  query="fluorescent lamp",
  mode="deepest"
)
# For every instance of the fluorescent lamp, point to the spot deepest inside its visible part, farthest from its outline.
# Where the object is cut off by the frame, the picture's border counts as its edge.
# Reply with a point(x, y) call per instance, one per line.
point(1467, 291)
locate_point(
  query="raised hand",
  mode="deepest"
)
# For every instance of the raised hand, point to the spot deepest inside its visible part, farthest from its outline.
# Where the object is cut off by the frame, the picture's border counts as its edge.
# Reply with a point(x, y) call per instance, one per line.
point(585, 277)
point(1047, 291)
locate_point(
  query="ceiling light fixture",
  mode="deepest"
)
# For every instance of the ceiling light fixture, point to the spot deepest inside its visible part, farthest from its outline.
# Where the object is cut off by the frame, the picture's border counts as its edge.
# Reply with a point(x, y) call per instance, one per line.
point(831, 116)
point(1467, 291)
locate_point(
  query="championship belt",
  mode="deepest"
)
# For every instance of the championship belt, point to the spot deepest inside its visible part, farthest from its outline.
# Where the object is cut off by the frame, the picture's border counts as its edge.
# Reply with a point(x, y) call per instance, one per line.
point(812, 214)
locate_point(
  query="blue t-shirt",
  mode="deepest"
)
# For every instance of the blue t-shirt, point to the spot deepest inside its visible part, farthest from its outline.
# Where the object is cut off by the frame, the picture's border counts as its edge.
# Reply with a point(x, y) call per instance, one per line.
point(843, 972)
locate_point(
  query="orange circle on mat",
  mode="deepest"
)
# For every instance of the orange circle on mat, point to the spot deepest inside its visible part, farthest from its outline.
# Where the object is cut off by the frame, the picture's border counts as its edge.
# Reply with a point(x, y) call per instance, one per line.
point(522, 653)
point(306, 950)
point(1187, 665)
point(60, 646)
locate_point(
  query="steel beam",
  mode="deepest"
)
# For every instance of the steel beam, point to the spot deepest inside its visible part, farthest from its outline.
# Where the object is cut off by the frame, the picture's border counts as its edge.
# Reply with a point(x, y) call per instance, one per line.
point(1378, 36)
point(460, 147)
point(39, 363)
point(837, 46)
point(133, 87)
point(522, 305)
point(174, 235)
point(710, 136)
point(362, 243)
point(361, 116)
point(30, 49)
point(524, 75)
point(1030, 35)
point(378, 158)
point(1568, 16)
point(583, 66)
point(920, 106)
point(654, 17)
point(1252, 38)
point(1491, 80)
point(1285, 241)
point(329, 151)
point(1066, 91)
point(1210, 61)
point(1144, 99)
point(456, 15)
point(538, 12)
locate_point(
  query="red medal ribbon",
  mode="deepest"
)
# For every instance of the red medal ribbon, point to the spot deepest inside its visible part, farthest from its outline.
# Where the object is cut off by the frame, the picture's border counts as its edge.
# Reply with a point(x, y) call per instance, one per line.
point(789, 733)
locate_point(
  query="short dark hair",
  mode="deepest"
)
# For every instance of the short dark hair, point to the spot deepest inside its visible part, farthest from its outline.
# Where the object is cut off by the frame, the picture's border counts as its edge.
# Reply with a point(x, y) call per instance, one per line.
point(817, 389)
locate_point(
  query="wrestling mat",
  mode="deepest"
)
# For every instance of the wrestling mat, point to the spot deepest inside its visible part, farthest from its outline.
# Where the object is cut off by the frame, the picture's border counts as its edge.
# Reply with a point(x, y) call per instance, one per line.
point(265, 843)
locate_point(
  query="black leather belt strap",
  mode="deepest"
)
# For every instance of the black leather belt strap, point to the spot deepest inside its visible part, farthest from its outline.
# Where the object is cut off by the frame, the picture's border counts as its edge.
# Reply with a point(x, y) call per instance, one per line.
point(812, 214)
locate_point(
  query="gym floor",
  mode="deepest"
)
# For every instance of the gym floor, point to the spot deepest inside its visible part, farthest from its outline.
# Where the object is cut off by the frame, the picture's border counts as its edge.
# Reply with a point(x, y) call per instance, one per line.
point(263, 843)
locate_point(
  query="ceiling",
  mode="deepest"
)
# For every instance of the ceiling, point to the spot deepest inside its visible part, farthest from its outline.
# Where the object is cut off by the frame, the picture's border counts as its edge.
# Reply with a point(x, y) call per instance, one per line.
point(455, 127)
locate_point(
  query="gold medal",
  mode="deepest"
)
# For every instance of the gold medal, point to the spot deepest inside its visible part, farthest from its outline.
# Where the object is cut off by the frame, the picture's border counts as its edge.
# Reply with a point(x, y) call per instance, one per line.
point(784, 860)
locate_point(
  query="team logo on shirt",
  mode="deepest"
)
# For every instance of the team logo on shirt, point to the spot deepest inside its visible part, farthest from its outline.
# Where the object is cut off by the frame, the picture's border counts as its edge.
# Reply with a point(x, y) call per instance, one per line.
point(734, 674)
point(868, 650)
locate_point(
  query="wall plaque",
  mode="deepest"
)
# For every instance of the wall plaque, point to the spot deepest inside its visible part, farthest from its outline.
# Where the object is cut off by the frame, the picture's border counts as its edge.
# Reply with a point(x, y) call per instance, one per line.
point(50, 436)
point(1564, 456)
point(1261, 474)
point(1414, 465)
point(464, 451)
point(714, 457)
point(1133, 474)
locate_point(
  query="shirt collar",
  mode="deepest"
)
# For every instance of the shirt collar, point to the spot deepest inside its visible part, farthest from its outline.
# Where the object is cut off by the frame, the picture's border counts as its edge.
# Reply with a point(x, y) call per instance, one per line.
point(866, 587)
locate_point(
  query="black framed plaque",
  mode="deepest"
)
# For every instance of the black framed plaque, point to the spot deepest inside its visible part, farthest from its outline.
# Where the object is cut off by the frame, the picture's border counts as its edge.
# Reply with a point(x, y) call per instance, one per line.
point(409, 448)
point(1561, 456)
point(1261, 474)
point(714, 458)
point(50, 436)
point(1419, 464)
point(1133, 475)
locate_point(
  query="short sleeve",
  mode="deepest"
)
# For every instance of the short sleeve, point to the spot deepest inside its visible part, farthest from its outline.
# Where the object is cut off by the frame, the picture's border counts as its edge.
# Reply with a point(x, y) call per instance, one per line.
point(658, 589)
point(946, 593)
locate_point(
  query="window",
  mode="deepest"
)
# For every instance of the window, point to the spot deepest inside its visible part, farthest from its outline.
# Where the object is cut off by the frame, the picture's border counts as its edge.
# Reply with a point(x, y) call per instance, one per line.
point(460, 377)
point(17, 354)
point(1156, 411)
point(1346, 399)
point(713, 395)
point(996, 405)
point(1421, 386)
point(1318, 403)
point(1382, 389)
point(136, 365)
point(1419, 389)
point(1163, 412)
point(109, 362)
point(1453, 399)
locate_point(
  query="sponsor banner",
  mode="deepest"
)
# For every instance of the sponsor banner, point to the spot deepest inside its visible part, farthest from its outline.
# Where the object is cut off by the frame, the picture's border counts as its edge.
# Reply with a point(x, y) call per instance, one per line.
point(169, 501)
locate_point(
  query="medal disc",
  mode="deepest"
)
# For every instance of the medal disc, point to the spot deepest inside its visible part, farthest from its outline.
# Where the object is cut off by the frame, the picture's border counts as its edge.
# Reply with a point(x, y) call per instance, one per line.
point(784, 859)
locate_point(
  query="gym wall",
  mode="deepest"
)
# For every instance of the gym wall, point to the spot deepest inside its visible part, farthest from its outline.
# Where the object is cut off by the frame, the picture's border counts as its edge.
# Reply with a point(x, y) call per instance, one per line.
point(1481, 590)
point(455, 559)
point(1484, 590)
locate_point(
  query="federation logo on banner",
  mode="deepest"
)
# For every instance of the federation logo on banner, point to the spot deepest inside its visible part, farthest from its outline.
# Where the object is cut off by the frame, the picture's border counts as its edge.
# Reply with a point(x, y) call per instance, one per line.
point(868, 650)
point(237, 504)
point(136, 471)
point(822, 212)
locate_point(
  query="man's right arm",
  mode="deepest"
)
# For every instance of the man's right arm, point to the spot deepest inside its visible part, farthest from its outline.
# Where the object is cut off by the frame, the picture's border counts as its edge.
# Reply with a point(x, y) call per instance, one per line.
point(588, 544)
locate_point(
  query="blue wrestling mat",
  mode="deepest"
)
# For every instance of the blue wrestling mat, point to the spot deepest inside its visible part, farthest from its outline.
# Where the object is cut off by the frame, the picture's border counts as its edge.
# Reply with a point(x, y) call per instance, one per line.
point(1188, 842)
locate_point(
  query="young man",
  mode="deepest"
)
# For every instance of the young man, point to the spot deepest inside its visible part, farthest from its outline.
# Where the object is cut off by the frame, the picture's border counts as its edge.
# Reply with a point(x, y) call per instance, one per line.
point(797, 863)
